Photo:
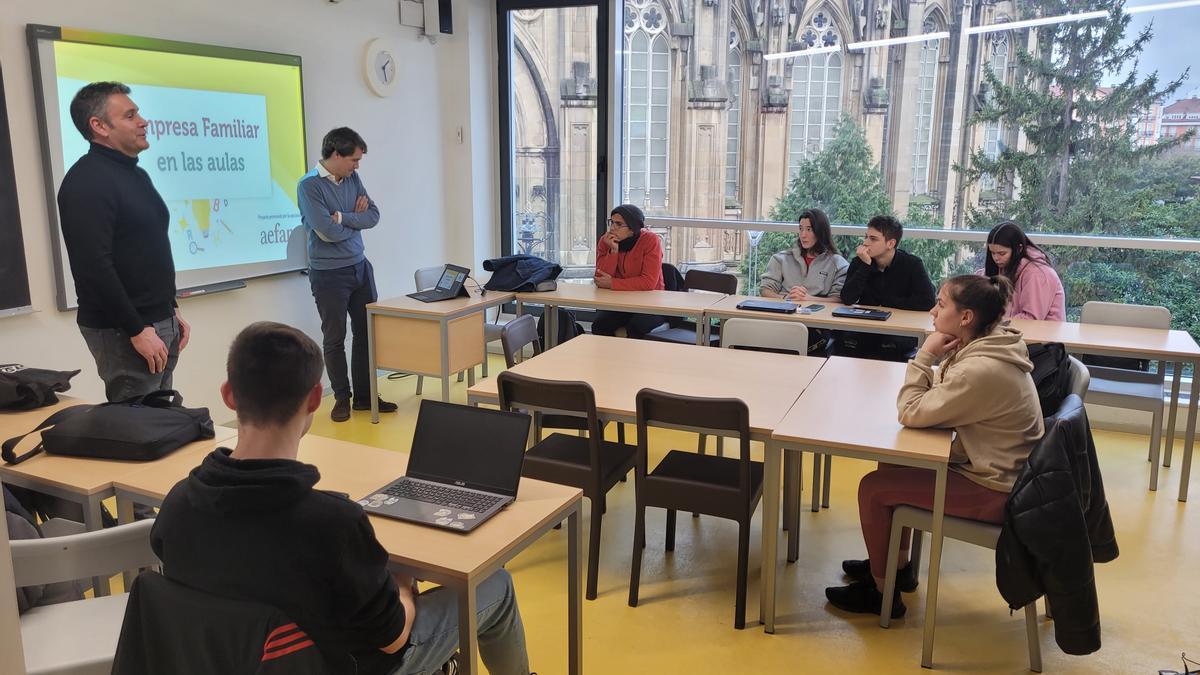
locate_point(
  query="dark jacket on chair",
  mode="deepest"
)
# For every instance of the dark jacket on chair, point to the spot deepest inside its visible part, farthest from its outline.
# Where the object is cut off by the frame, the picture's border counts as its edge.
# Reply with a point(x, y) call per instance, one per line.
point(519, 272)
point(1056, 525)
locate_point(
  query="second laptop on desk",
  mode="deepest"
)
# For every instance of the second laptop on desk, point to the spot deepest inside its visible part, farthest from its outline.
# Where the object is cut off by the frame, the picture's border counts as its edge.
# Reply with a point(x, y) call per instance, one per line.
point(464, 467)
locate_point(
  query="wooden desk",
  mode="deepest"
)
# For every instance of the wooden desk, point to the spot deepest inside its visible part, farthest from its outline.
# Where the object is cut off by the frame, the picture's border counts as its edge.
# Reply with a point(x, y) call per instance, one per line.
point(902, 322)
point(427, 338)
point(863, 426)
point(1166, 345)
point(665, 303)
point(768, 383)
point(456, 561)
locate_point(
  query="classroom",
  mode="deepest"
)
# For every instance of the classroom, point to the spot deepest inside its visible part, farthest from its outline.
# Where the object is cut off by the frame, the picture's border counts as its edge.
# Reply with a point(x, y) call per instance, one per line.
point(457, 309)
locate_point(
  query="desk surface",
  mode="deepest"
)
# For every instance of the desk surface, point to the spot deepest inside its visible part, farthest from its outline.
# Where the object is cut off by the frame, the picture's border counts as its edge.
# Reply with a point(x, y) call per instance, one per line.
point(86, 476)
point(830, 413)
point(618, 368)
point(359, 470)
point(901, 320)
point(1143, 342)
point(588, 295)
point(406, 305)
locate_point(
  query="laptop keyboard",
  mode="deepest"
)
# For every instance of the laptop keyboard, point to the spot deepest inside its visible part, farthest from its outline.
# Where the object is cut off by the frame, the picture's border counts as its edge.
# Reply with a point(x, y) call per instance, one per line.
point(443, 495)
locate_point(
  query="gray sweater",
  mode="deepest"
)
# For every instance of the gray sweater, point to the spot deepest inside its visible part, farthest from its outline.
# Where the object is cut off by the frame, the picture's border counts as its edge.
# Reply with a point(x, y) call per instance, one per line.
point(333, 245)
point(787, 268)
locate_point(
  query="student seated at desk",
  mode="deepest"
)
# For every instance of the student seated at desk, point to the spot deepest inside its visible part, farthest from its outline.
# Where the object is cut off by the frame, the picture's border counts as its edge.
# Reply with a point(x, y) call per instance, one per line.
point(247, 524)
point(984, 392)
point(811, 268)
point(628, 259)
point(1038, 292)
point(886, 276)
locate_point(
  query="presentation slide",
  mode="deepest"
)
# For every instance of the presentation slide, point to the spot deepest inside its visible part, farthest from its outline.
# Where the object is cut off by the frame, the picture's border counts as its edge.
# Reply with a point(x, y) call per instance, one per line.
point(226, 135)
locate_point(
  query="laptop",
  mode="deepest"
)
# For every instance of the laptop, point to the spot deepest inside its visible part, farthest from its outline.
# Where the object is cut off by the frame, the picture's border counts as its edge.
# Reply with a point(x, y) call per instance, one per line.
point(768, 306)
point(464, 467)
point(450, 285)
point(862, 313)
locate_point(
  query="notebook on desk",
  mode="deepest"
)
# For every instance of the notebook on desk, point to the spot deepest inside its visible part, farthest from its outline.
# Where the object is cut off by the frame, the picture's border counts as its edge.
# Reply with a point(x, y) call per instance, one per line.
point(464, 467)
point(767, 306)
point(862, 313)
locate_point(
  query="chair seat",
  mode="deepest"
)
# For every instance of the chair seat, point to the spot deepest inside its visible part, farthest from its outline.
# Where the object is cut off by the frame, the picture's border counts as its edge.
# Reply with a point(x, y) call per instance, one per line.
point(1139, 395)
point(706, 469)
point(683, 335)
point(556, 452)
point(77, 637)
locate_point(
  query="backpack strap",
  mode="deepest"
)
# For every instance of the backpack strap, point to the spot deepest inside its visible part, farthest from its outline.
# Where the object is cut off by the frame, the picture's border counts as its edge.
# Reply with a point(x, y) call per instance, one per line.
point(6, 451)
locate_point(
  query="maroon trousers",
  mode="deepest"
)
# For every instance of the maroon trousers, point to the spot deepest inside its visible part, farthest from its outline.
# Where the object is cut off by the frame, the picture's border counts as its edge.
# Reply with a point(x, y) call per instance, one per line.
point(890, 486)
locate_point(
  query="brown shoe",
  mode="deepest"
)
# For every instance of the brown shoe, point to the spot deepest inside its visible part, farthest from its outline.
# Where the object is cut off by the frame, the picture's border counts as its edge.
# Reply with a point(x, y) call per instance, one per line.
point(341, 410)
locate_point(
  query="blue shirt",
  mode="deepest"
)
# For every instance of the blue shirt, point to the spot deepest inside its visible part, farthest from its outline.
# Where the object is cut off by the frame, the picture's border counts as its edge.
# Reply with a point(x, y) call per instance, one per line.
point(333, 244)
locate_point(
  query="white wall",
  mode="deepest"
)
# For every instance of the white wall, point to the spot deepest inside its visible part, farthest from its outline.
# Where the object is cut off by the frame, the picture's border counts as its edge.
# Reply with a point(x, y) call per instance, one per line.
point(434, 193)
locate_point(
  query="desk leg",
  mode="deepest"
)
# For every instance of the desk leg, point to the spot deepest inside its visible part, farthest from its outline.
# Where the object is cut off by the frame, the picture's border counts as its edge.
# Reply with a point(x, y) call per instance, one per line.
point(468, 641)
point(550, 313)
point(1189, 438)
point(792, 462)
point(700, 323)
point(1171, 413)
point(770, 532)
point(124, 517)
point(371, 364)
point(574, 593)
point(935, 565)
point(445, 336)
point(94, 522)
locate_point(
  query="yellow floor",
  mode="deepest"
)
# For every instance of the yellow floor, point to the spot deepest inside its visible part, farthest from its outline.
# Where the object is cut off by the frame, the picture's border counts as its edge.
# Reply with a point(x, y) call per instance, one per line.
point(1150, 608)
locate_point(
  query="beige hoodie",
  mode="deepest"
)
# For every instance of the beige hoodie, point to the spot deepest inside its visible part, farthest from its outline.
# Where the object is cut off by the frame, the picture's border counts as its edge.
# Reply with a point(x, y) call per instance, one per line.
point(984, 392)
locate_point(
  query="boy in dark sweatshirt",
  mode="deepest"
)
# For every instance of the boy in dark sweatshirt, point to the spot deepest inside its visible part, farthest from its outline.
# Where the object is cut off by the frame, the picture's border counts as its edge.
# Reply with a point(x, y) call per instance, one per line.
point(247, 524)
point(883, 275)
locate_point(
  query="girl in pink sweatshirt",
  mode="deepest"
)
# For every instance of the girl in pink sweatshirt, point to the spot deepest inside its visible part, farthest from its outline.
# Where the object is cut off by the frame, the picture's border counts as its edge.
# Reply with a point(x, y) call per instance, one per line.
point(1038, 291)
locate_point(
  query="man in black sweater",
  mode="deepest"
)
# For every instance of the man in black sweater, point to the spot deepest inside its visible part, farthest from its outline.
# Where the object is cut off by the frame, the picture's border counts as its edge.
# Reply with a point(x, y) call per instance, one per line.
point(885, 276)
point(247, 524)
point(114, 224)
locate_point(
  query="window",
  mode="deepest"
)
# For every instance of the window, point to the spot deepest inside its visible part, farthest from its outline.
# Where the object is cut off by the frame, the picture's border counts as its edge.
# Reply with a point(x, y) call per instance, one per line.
point(816, 101)
point(733, 136)
point(927, 76)
point(647, 106)
point(992, 130)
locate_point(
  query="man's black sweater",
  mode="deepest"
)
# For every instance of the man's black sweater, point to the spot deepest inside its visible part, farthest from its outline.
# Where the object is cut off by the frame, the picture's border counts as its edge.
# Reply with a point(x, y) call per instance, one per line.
point(114, 224)
point(904, 284)
point(257, 530)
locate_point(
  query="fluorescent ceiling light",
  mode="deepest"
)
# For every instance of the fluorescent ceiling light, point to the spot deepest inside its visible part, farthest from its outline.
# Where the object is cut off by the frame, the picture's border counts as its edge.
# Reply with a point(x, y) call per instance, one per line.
point(808, 52)
point(1142, 9)
point(1041, 21)
point(868, 44)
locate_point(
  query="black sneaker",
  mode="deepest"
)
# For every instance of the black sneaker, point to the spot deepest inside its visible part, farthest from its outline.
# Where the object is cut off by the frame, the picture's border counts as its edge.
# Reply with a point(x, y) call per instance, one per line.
point(341, 410)
point(860, 570)
point(862, 597)
point(384, 406)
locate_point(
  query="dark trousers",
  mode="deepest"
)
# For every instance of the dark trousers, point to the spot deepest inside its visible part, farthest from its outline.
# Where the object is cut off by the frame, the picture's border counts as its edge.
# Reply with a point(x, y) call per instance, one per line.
point(124, 371)
point(635, 325)
point(339, 293)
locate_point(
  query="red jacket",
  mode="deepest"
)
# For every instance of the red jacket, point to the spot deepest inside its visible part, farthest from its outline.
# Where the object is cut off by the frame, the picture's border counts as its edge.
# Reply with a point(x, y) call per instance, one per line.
point(639, 269)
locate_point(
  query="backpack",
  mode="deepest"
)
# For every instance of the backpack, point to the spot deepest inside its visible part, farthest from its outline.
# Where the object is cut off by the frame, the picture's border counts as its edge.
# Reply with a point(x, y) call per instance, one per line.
point(568, 325)
point(24, 388)
point(1051, 375)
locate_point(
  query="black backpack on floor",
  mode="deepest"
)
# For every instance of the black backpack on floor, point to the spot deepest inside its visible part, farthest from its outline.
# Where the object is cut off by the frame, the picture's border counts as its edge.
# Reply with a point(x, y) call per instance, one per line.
point(568, 325)
point(1051, 374)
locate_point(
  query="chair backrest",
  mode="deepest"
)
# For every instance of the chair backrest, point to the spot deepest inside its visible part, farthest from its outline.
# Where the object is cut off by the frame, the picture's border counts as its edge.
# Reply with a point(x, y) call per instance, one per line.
point(1081, 379)
point(427, 277)
point(1120, 314)
point(787, 337)
point(80, 556)
point(517, 333)
point(716, 416)
point(535, 395)
point(716, 282)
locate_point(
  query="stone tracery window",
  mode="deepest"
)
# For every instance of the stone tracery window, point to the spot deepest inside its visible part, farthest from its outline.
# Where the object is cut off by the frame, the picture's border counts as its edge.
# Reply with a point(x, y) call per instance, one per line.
point(816, 101)
point(647, 104)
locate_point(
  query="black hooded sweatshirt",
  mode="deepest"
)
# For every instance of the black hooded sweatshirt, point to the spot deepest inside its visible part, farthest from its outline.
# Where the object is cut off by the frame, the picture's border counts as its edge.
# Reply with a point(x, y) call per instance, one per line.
point(257, 530)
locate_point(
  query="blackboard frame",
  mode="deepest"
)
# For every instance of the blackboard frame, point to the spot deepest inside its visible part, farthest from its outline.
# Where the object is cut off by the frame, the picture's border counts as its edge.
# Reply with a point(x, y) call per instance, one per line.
point(14, 273)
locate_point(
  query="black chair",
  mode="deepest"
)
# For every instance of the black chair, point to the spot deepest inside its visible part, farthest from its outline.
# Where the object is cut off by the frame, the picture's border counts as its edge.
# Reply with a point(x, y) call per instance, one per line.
point(591, 464)
point(514, 337)
point(724, 487)
point(682, 331)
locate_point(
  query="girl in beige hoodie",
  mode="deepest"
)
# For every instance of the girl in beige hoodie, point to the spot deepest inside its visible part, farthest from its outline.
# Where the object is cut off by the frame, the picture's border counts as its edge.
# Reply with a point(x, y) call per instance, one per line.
point(983, 391)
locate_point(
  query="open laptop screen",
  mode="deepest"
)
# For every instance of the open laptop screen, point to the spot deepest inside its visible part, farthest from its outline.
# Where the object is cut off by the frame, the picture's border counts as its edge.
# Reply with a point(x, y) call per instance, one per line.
point(452, 277)
point(475, 448)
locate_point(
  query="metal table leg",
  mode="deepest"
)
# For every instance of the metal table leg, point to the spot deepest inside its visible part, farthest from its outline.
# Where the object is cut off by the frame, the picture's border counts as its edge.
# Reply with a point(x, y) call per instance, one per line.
point(935, 565)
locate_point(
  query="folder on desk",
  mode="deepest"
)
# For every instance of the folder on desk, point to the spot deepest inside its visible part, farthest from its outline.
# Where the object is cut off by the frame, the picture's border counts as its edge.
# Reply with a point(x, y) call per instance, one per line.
point(767, 306)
